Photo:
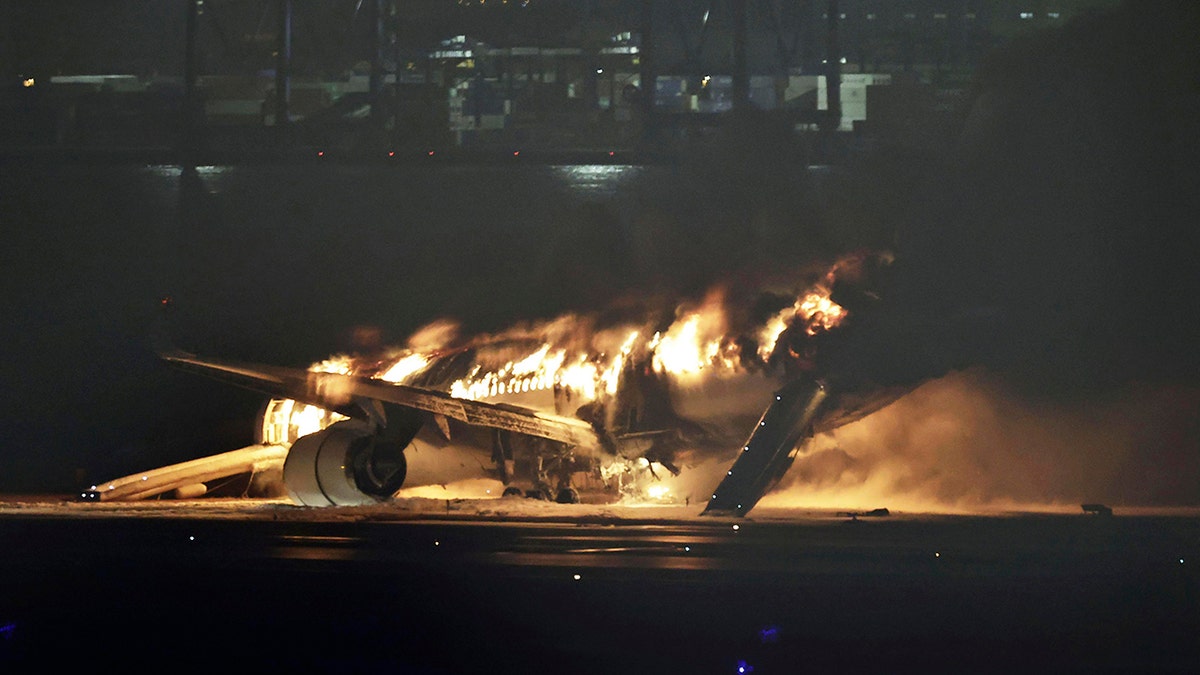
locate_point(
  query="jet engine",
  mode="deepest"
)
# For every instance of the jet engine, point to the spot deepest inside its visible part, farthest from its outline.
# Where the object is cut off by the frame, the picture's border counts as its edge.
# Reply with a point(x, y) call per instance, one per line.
point(345, 464)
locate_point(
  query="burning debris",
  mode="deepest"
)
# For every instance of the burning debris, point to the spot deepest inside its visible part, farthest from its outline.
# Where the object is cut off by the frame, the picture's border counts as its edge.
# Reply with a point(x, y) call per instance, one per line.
point(714, 363)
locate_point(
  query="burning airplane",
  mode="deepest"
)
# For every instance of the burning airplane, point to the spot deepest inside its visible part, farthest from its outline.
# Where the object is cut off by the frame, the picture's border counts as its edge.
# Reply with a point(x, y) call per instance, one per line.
point(573, 409)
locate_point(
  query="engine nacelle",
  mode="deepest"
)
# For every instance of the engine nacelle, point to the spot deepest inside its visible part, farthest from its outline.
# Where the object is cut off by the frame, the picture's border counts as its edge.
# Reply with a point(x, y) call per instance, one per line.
point(345, 464)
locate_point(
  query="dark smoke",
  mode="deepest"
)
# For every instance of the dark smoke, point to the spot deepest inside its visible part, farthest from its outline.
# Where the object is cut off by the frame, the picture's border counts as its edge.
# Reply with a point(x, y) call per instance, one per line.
point(1067, 215)
point(1071, 205)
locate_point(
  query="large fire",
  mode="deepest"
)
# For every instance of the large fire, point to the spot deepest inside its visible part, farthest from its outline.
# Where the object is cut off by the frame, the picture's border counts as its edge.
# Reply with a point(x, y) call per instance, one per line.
point(544, 366)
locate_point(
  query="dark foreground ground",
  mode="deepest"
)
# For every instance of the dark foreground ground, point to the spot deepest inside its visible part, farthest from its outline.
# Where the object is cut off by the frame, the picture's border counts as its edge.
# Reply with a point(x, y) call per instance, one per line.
point(284, 592)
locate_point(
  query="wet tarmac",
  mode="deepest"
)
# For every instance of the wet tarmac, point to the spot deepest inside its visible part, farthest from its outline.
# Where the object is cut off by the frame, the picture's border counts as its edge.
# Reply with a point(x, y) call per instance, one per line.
point(277, 587)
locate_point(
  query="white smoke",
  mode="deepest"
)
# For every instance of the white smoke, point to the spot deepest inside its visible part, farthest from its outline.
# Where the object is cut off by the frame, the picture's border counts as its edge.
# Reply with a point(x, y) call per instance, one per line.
point(968, 443)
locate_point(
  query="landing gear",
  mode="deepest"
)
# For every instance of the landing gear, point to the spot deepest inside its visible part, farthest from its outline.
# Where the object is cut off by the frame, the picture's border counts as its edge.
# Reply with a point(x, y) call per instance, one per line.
point(512, 491)
point(567, 495)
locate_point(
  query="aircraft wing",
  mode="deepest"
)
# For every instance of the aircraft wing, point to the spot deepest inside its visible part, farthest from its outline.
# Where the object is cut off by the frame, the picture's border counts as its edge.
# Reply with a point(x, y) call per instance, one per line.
point(356, 396)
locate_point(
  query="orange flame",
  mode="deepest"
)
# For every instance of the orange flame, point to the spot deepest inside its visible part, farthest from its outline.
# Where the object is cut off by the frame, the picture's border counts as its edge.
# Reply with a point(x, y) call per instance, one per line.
point(697, 344)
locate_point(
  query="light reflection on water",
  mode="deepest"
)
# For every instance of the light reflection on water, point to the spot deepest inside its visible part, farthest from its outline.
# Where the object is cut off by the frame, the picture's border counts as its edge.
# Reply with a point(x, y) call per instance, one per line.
point(578, 181)
point(595, 180)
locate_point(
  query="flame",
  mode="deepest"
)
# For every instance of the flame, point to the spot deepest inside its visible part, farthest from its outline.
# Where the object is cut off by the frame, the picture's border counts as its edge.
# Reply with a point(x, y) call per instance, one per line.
point(819, 312)
point(572, 362)
point(406, 367)
point(695, 341)
point(814, 308)
point(340, 365)
point(285, 420)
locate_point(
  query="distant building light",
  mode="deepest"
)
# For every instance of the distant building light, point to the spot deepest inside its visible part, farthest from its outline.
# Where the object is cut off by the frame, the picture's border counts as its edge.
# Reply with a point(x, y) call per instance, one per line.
point(599, 71)
point(28, 82)
point(1026, 15)
point(870, 17)
point(970, 16)
point(910, 16)
point(843, 59)
point(939, 15)
point(1053, 15)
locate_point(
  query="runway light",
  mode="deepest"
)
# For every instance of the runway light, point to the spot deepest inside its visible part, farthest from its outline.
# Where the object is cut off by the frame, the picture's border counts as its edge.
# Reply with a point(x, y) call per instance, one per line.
point(437, 543)
point(516, 153)
point(320, 153)
point(778, 397)
point(736, 528)
point(431, 153)
point(729, 472)
point(611, 153)
point(937, 554)
point(577, 577)
point(392, 153)
point(191, 538)
point(688, 549)
point(145, 478)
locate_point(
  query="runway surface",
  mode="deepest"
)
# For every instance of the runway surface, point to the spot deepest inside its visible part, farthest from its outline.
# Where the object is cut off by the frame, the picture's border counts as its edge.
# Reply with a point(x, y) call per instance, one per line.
point(427, 587)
